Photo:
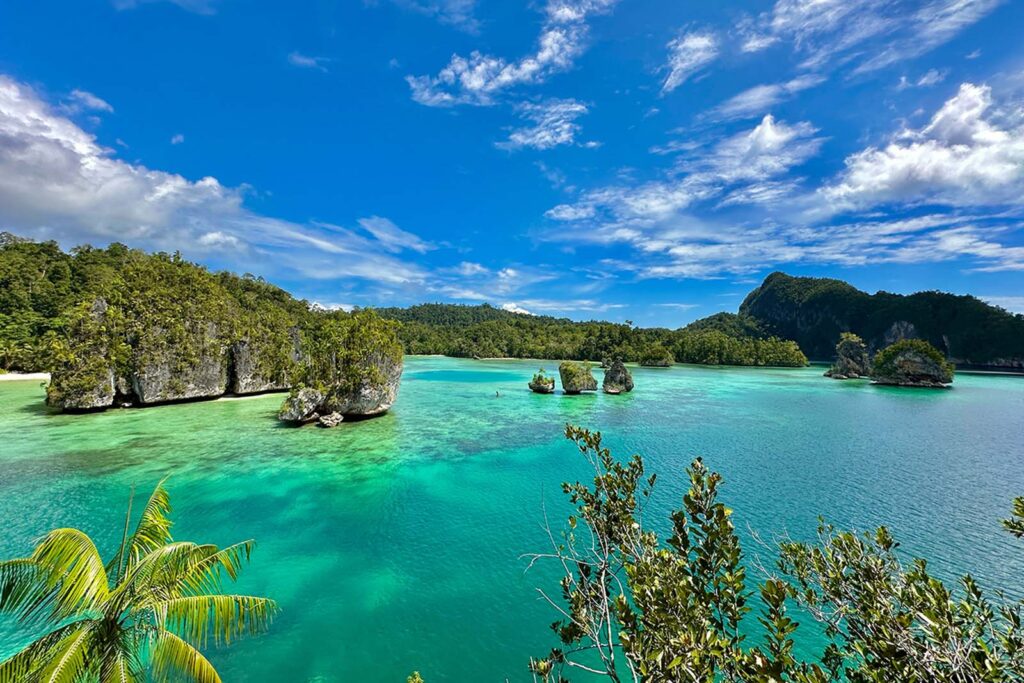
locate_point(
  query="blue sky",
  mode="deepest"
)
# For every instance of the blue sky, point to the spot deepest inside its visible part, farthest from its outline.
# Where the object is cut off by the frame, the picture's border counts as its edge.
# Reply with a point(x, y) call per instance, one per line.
point(615, 159)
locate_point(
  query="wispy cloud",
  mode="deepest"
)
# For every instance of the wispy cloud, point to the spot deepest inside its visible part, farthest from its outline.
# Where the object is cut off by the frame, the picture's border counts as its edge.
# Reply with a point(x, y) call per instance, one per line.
point(759, 100)
point(177, 139)
point(554, 124)
point(479, 78)
point(735, 208)
point(307, 62)
point(197, 6)
point(83, 100)
point(688, 54)
point(458, 13)
point(837, 31)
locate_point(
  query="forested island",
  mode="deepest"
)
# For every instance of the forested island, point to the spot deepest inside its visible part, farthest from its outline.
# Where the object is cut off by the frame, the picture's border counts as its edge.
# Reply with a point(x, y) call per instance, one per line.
point(119, 327)
point(815, 311)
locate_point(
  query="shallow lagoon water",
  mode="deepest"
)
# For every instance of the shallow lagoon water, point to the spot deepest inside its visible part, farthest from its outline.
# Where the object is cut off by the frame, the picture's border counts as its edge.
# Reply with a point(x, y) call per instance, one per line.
point(394, 544)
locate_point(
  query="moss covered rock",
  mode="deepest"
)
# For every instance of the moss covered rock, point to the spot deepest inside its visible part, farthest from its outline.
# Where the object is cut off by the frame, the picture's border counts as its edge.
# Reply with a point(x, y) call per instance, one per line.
point(912, 363)
point(851, 358)
point(617, 379)
point(541, 383)
point(576, 377)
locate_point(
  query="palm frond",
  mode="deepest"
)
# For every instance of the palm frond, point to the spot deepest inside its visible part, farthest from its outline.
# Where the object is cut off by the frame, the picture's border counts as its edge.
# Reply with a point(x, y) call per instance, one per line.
point(25, 589)
point(22, 665)
point(154, 528)
point(221, 618)
point(67, 660)
point(118, 668)
point(205, 573)
point(74, 571)
point(174, 659)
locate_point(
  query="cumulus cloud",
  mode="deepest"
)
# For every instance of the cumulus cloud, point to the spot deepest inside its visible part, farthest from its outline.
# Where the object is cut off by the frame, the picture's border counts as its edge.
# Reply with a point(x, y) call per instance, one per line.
point(554, 124)
point(479, 78)
point(58, 182)
point(513, 307)
point(969, 154)
point(688, 54)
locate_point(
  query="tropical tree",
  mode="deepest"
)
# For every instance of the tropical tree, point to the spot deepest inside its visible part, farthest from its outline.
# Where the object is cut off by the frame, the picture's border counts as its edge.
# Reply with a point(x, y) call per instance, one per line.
point(144, 615)
point(635, 607)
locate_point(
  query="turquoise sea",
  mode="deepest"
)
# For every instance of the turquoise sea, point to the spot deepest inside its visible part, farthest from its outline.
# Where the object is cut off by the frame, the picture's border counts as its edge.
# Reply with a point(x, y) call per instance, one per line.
point(395, 544)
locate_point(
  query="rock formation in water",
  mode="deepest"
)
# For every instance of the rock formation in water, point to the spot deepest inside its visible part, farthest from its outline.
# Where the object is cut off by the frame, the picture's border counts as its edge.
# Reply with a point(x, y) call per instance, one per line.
point(852, 360)
point(331, 420)
point(617, 379)
point(912, 363)
point(541, 383)
point(576, 377)
point(656, 356)
point(815, 311)
point(166, 330)
point(301, 405)
point(356, 365)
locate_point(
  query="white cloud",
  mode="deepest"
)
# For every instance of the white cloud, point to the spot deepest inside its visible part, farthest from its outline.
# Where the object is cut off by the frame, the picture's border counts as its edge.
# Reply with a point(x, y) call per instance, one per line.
point(330, 306)
point(547, 306)
point(458, 13)
point(82, 100)
point(1010, 303)
point(932, 25)
point(554, 124)
point(307, 62)
point(177, 139)
point(477, 79)
point(57, 182)
point(841, 30)
point(749, 158)
point(688, 54)
point(679, 306)
point(513, 307)
point(759, 100)
point(968, 155)
point(197, 6)
point(393, 238)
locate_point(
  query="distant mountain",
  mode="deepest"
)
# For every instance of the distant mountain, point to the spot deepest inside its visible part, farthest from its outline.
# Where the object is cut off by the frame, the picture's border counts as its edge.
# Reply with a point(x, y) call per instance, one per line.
point(814, 311)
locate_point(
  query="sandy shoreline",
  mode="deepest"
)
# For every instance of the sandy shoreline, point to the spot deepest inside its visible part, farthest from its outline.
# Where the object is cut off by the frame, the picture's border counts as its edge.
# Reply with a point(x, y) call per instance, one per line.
point(16, 376)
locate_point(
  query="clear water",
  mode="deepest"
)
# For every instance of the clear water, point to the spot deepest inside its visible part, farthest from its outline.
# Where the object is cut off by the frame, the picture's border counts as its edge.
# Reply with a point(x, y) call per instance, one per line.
point(394, 544)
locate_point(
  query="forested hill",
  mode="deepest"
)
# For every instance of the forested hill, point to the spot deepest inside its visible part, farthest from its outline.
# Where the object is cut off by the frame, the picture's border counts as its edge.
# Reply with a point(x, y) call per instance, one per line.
point(814, 311)
point(488, 332)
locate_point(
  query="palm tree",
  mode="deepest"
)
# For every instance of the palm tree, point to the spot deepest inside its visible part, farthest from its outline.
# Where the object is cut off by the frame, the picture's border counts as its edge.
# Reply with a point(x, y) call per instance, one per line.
point(142, 616)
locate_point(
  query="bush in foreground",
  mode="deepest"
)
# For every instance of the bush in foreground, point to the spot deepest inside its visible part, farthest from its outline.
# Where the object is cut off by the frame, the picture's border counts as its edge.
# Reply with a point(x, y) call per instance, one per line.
point(638, 608)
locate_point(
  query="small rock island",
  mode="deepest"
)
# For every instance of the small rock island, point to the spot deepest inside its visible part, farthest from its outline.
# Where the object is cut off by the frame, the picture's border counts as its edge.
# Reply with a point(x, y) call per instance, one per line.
point(912, 363)
point(852, 360)
point(576, 377)
point(541, 383)
point(617, 379)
